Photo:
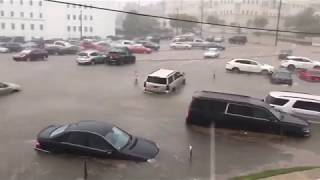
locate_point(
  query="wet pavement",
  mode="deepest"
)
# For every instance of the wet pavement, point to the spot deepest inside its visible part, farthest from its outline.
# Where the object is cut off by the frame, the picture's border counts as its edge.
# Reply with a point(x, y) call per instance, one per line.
point(59, 91)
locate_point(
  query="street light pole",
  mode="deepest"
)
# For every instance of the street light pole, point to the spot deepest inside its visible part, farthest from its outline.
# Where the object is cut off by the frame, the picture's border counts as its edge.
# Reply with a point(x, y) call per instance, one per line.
point(278, 23)
point(201, 25)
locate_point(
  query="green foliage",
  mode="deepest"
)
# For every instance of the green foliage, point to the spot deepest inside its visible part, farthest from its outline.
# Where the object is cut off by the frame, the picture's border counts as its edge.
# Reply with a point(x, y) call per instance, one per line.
point(260, 22)
point(134, 25)
point(271, 173)
point(304, 21)
point(184, 26)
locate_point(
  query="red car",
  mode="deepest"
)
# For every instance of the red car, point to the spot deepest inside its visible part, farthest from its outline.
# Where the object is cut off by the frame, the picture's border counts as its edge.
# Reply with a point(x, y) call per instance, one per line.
point(138, 48)
point(99, 46)
point(310, 75)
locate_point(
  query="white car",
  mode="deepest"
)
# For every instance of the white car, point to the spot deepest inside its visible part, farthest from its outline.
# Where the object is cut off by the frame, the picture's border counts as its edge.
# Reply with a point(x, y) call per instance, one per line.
point(91, 57)
point(305, 106)
point(248, 65)
point(180, 45)
point(212, 53)
point(6, 88)
point(4, 50)
point(164, 81)
point(295, 62)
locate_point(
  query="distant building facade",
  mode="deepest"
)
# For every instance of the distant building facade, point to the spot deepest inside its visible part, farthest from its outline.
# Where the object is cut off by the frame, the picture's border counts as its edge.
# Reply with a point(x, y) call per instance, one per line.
point(38, 18)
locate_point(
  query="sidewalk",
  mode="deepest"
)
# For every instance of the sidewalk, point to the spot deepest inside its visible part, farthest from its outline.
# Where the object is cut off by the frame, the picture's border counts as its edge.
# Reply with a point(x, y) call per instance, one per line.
point(313, 174)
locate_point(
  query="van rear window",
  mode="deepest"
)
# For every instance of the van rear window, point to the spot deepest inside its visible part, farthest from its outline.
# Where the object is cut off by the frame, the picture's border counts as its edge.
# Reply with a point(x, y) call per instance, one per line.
point(311, 106)
point(157, 80)
point(276, 101)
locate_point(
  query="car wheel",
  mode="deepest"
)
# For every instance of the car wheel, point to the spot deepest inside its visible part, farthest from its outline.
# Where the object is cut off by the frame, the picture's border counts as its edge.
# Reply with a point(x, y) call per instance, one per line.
point(264, 72)
point(93, 62)
point(235, 70)
point(173, 90)
point(291, 67)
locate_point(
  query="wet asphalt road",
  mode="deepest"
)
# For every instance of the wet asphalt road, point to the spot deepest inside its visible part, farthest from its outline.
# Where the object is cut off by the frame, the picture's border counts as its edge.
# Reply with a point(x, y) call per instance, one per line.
point(59, 91)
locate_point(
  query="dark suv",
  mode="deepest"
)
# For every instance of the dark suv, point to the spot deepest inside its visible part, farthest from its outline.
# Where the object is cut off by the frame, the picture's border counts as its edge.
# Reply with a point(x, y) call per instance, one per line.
point(119, 56)
point(242, 112)
point(238, 40)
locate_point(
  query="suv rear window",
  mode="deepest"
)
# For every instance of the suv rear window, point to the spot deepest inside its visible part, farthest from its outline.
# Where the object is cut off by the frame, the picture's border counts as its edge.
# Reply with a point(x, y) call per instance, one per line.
point(276, 101)
point(157, 80)
point(311, 106)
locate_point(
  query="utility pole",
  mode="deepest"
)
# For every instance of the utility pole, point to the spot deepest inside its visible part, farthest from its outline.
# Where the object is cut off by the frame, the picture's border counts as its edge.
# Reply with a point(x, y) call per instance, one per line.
point(201, 25)
point(278, 23)
point(81, 23)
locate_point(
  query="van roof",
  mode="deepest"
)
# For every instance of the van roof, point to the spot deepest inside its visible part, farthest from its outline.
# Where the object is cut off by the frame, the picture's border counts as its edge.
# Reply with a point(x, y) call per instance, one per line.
point(294, 95)
point(162, 73)
point(230, 97)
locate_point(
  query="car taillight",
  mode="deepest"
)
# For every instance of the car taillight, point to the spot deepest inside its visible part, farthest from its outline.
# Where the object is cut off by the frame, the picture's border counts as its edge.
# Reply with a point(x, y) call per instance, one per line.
point(167, 87)
point(37, 145)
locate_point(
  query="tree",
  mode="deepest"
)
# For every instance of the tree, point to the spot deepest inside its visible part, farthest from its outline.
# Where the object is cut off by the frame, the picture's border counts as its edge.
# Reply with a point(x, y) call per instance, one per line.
point(304, 21)
point(260, 22)
point(134, 25)
point(214, 20)
point(184, 26)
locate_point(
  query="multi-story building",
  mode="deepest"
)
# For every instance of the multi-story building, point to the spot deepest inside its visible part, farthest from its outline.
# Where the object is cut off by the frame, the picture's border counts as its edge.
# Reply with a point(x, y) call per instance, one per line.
point(38, 18)
point(240, 12)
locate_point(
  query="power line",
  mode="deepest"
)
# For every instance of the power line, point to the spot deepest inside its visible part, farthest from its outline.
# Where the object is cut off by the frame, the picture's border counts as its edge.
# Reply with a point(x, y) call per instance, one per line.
point(184, 20)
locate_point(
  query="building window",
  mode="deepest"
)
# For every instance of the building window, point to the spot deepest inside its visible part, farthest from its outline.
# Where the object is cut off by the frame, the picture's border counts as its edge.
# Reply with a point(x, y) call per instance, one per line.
point(2, 13)
point(32, 26)
point(22, 26)
point(1, 1)
point(12, 13)
point(21, 2)
point(85, 17)
point(68, 16)
point(74, 6)
point(13, 26)
point(74, 28)
point(40, 3)
point(41, 27)
point(3, 25)
point(68, 5)
point(31, 15)
point(91, 18)
point(22, 14)
point(40, 15)
point(68, 28)
point(74, 17)
point(86, 29)
point(11, 1)
point(91, 29)
point(30, 2)
point(79, 17)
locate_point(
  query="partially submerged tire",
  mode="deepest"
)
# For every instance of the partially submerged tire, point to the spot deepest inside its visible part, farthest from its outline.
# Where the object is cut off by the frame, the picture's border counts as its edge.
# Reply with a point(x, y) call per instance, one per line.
point(291, 67)
point(235, 70)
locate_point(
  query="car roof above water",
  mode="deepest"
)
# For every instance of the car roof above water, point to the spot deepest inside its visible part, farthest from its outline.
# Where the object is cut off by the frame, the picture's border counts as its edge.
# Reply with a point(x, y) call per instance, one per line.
point(162, 73)
point(230, 98)
point(294, 95)
point(98, 127)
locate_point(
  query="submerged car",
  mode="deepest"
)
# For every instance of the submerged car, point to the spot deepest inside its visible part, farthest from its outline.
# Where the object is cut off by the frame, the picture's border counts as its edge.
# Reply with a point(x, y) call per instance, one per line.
point(234, 111)
point(119, 56)
point(310, 75)
point(281, 76)
point(95, 138)
point(211, 53)
point(139, 49)
point(3, 49)
point(91, 57)
point(248, 65)
point(31, 55)
point(6, 88)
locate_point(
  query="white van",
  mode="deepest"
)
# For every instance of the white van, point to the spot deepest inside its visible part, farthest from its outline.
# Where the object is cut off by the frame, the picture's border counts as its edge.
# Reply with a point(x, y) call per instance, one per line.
point(305, 106)
point(164, 81)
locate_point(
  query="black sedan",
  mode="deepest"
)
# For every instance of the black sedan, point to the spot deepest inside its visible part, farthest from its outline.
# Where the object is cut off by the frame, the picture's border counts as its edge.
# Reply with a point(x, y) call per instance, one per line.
point(31, 55)
point(95, 138)
point(281, 76)
point(119, 56)
point(149, 44)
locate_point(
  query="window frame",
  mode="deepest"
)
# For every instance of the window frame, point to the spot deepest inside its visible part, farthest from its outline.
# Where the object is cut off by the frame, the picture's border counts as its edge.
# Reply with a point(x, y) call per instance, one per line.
point(304, 109)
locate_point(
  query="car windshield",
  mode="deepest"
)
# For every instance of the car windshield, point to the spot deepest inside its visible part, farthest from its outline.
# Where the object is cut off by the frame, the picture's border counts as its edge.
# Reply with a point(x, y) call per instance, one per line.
point(157, 80)
point(286, 75)
point(83, 54)
point(117, 138)
point(59, 130)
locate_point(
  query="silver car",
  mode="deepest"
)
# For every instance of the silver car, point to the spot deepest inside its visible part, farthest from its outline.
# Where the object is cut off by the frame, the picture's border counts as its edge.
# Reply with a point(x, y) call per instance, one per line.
point(6, 88)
